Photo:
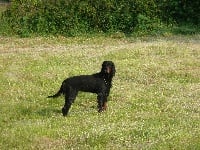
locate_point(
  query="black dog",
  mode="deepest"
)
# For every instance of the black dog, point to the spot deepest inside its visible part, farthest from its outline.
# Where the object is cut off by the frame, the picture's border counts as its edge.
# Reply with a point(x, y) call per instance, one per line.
point(99, 83)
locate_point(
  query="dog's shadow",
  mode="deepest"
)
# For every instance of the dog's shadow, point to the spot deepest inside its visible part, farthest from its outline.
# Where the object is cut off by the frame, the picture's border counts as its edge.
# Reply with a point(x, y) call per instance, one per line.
point(48, 112)
point(87, 105)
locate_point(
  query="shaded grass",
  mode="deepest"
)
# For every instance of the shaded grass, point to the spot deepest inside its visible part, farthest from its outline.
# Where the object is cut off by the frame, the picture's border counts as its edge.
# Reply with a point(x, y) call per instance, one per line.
point(154, 102)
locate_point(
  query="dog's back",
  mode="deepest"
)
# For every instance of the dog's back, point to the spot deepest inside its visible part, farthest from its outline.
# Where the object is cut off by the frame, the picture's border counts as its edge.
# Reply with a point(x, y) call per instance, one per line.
point(85, 83)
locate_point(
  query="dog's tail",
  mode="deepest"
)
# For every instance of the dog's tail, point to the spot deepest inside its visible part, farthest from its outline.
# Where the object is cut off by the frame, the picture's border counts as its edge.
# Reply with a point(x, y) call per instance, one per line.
point(58, 93)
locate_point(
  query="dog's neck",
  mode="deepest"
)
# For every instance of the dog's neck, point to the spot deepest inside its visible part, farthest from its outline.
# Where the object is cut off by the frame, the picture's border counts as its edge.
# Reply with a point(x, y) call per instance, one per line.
point(107, 79)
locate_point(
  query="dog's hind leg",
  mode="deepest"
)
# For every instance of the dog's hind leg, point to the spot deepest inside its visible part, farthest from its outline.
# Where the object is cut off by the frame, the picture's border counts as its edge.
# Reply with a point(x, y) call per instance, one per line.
point(69, 99)
point(66, 107)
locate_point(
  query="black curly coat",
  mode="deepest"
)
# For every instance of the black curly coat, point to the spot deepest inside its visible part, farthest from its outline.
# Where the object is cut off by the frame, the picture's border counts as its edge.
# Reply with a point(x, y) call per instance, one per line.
point(99, 83)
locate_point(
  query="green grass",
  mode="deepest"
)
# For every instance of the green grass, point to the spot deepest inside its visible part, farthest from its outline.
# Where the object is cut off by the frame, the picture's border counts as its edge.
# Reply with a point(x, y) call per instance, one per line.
point(154, 102)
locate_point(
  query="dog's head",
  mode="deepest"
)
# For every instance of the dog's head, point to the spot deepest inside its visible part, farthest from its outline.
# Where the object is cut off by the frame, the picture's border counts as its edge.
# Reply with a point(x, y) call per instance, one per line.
point(108, 68)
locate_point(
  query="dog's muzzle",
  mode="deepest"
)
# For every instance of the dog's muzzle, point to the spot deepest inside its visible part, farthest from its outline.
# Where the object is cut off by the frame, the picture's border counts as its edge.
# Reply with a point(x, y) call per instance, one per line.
point(108, 70)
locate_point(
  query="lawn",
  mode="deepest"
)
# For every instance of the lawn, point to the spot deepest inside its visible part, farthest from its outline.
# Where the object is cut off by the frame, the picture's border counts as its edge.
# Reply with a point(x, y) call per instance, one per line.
point(154, 102)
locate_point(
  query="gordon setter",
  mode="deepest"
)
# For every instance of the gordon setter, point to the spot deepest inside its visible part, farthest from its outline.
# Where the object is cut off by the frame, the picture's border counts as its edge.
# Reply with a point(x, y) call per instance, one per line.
point(99, 83)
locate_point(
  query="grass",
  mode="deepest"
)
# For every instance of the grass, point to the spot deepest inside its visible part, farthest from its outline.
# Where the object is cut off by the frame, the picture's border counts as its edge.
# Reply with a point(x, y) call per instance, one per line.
point(154, 102)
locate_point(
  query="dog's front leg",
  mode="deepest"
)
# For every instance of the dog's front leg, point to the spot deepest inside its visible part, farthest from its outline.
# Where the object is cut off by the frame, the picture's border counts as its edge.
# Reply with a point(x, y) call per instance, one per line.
point(101, 99)
point(105, 104)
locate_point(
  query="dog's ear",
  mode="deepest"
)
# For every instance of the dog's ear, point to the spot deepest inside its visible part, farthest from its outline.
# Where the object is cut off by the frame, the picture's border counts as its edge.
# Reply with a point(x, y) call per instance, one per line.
point(103, 67)
point(113, 70)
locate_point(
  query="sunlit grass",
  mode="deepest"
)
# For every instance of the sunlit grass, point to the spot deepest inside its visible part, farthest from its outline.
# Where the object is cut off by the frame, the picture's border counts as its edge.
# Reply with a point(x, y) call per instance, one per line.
point(154, 102)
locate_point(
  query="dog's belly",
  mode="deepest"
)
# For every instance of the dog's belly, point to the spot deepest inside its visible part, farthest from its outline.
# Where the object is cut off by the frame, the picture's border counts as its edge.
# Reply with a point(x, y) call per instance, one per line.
point(90, 86)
